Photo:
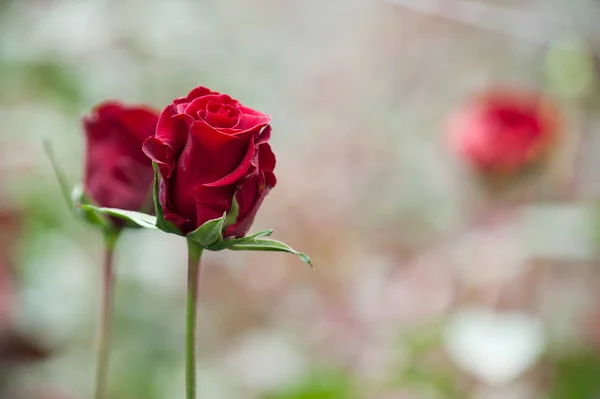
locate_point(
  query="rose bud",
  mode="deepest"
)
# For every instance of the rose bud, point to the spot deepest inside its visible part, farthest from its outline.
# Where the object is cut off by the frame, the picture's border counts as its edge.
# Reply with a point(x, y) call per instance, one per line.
point(211, 149)
point(118, 174)
point(503, 131)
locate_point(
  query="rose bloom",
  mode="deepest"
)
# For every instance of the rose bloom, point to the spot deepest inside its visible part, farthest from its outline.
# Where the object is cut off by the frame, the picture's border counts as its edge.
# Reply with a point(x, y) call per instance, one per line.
point(118, 174)
point(504, 130)
point(209, 149)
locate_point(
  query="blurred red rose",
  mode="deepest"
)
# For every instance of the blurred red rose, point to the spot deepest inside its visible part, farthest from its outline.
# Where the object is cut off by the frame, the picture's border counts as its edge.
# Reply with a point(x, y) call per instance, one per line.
point(503, 130)
point(210, 148)
point(118, 174)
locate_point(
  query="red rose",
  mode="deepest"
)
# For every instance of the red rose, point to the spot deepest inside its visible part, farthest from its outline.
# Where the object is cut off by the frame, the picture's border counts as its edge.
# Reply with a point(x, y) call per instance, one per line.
point(502, 130)
point(209, 149)
point(118, 174)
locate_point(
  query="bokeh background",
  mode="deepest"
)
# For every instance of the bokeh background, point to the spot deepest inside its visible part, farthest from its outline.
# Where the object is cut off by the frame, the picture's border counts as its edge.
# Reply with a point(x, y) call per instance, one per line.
point(426, 286)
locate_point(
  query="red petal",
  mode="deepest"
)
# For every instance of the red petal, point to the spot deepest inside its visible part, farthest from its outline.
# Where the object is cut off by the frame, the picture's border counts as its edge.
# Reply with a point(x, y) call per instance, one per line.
point(250, 119)
point(212, 202)
point(266, 158)
point(249, 197)
point(239, 172)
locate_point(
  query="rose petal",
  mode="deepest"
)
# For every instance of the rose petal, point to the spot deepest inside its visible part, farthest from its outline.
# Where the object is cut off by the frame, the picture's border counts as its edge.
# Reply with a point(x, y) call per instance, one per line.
point(212, 202)
point(266, 158)
point(221, 116)
point(117, 173)
point(270, 179)
point(249, 196)
point(211, 137)
point(171, 130)
point(199, 91)
point(167, 206)
point(264, 136)
point(110, 109)
point(203, 160)
point(239, 172)
point(178, 221)
point(250, 119)
point(161, 154)
point(139, 121)
point(200, 103)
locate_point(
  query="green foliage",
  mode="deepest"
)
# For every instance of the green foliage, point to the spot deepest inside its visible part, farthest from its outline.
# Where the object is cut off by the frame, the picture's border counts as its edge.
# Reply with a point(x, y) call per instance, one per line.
point(576, 377)
point(569, 68)
point(328, 385)
point(46, 77)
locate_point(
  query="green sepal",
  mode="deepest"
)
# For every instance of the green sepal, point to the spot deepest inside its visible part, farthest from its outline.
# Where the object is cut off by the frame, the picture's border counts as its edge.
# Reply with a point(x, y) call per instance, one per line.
point(221, 245)
point(63, 183)
point(209, 233)
point(76, 197)
point(161, 223)
point(233, 213)
point(83, 206)
point(267, 244)
point(133, 219)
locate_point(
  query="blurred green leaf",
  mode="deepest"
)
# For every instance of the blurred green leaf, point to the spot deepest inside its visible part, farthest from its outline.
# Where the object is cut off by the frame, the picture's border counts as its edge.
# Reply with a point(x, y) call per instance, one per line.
point(326, 385)
point(135, 218)
point(576, 377)
point(569, 68)
point(56, 79)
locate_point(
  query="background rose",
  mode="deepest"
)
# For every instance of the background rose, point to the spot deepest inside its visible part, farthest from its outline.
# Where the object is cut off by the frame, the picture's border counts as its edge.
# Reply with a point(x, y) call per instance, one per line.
point(503, 130)
point(118, 174)
point(210, 148)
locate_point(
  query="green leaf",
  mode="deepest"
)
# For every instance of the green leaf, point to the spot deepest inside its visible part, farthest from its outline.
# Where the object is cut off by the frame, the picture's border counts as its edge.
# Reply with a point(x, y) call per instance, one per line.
point(209, 233)
point(161, 223)
point(219, 246)
point(266, 244)
point(137, 218)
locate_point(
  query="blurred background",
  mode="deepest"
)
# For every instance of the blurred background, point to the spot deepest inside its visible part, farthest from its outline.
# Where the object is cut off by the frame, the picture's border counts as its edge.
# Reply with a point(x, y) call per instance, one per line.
point(426, 287)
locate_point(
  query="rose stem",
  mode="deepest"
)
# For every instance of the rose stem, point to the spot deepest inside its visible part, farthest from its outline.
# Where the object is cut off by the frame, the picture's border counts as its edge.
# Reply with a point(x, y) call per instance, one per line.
point(106, 314)
point(194, 253)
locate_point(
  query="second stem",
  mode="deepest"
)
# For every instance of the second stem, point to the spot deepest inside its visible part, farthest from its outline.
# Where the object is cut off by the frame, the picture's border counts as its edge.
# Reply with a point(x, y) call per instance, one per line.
point(194, 254)
point(106, 315)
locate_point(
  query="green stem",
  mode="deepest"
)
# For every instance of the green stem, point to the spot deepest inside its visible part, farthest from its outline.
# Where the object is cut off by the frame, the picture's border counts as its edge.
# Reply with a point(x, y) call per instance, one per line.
point(194, 253)
point(106, 315)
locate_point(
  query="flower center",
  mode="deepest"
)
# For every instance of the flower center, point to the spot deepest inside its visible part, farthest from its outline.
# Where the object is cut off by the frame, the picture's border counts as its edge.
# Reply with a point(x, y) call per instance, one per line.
point(220, 115)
